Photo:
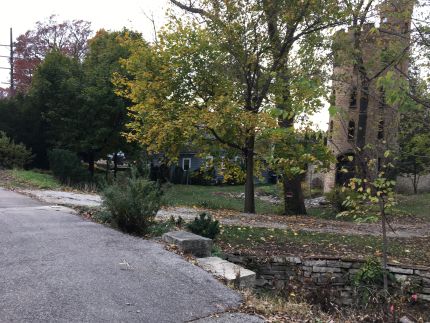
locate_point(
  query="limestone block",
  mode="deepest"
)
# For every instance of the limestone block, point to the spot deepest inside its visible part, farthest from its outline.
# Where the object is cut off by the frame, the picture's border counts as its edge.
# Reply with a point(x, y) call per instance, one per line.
point(424, 297)
point(333, 263)
point(294, 260)
point(315, 262)
point(317, 269)
point(344, 264)
point(422, 273)
point(228, 271)
point(401, 278)
point(189, 243)
point(399, 270)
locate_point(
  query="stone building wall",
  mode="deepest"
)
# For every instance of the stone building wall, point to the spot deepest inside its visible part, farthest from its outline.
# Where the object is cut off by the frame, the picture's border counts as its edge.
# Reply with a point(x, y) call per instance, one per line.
point(343, 126)
point(333, 274)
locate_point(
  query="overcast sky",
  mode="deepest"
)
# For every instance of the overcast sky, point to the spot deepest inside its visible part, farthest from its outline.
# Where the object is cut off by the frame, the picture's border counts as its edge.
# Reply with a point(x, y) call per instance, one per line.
point(22, 15)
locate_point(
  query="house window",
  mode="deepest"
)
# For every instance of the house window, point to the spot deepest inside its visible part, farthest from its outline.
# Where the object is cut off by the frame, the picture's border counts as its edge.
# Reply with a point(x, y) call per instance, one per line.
point(381, 129)
point(351, 130)
point(186, 163)
point(353, 98)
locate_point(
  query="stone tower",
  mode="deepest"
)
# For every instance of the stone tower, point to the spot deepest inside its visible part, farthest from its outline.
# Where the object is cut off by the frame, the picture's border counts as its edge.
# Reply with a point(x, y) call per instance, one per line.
point(362, 122)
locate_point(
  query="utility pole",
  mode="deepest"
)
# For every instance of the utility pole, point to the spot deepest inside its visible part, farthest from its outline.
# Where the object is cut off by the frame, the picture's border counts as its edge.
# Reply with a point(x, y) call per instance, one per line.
point(12, 85)
point(10, 57)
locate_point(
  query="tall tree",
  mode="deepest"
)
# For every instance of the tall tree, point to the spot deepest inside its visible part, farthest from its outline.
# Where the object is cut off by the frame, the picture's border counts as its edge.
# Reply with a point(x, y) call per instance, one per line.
point(105, 112)
point(77, 100)
point(301, 83)
point(67, 37)
point(242, 68)
point(56, 94)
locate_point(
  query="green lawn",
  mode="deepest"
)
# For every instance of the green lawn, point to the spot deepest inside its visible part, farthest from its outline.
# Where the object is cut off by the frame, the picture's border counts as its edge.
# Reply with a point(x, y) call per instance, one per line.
point(28, 179)
point(263, 241)
point(416, 205)
point(214, 197)
point(222, 197)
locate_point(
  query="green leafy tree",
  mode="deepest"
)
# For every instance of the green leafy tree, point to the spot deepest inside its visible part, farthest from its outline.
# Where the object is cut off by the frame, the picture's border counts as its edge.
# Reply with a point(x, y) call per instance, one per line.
point(79, 108)
point(105, 112)
point(56, 95)
point(412, 95)
point(214, 80)
point(293, 151)
point(376, 189)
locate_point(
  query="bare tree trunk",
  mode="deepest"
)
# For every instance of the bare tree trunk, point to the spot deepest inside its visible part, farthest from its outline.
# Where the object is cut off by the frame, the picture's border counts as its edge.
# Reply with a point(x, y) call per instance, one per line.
point(294, 201)
point(416, 179)
point(115, 164)
point(249, 184)
point(91, 163)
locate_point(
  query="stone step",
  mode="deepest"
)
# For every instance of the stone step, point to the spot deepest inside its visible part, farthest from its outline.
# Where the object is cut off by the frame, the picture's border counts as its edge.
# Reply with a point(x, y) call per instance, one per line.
point(189, 242)
point(231, 273)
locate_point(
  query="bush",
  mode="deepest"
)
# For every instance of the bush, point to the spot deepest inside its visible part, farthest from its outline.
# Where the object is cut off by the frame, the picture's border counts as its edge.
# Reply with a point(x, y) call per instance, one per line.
point(369, 281)
point(133, 206)
point(66, 166)
point(205, 226)
point(337, 197)
point(13, 155)
point(203, 176)
point(233, 174)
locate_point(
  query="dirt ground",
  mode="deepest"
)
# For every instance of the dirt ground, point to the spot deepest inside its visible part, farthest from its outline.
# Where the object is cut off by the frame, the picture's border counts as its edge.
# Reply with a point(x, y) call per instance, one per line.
point(403, 227)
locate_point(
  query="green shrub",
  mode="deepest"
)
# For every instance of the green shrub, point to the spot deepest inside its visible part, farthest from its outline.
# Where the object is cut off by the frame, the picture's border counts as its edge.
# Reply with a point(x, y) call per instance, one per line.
point(203, 176)
point(217, 251)
point(157, 229)
point(205, 226)
point(66, 166)
point(371, 273)
point(13, 155)
point(133, 206)
point(337, 197)
point(102, 216)
point(369, 282)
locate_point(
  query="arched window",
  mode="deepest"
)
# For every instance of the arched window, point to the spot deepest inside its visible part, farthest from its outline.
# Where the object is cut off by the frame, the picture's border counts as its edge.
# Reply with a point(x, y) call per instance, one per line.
point(353, 98)
point(351, 130)
point(381, 129)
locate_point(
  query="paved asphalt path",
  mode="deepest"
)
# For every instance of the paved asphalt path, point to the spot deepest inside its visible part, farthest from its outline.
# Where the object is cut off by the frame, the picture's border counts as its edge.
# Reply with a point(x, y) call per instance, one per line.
point(57, 267)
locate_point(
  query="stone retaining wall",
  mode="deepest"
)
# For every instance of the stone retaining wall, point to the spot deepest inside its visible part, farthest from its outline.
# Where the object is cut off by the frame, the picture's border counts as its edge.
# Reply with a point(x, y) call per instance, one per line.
point(335, 274)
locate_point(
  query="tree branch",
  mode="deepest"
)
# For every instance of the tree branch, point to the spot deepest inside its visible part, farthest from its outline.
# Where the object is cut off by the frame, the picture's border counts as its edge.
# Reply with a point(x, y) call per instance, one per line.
point(190, 8)
point(225, 142)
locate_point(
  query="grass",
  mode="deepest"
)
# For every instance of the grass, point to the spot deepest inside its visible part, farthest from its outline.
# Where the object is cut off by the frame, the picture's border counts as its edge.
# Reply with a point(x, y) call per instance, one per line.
point(28, 179)
point(278, 241)
point(416, 205)
point(214, 197)
point(407, 205)
point(223, 197)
